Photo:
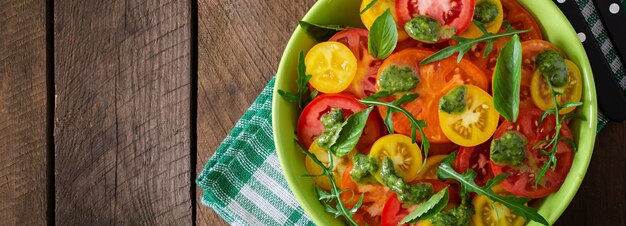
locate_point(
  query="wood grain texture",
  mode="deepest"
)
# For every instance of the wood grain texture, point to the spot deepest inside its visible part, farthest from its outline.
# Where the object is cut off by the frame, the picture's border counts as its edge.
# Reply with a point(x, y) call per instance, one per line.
point(122, 133)
point(601, 198)
point(240, 43)
point(23, 120)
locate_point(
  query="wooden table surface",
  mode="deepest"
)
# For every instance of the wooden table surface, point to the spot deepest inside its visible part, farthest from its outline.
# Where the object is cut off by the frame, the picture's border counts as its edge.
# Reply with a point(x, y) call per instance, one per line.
point(109, 109)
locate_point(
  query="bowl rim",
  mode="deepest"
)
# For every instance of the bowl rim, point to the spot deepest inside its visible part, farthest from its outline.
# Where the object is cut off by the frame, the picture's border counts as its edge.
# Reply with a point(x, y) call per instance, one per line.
point(570, 191)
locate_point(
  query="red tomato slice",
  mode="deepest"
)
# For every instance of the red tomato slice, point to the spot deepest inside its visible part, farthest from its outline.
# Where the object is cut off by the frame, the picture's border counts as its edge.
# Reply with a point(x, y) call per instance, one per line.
point(455, 13)
point(393, 212)
point(436, 79)
point(521, 179)
point(477, 159)
point(520, 19)
point(310, 126)
point(356, 39)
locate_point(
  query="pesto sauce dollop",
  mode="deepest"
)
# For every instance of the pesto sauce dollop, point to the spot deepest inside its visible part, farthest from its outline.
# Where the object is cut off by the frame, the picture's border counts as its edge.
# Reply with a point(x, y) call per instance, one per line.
point(397, 78)
point(364, 167)
point(509, 149)
point(454, 101)
point(414, 193)
point(332, 122)
point(553, 67)
point(458, 216)
point(485, 12)
point(427, 29)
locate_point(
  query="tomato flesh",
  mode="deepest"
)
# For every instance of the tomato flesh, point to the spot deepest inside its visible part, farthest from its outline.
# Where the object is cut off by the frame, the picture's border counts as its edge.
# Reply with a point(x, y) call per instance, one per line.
point(477, 159)
point(310, 126)
point(455, 13)
point(521, 179)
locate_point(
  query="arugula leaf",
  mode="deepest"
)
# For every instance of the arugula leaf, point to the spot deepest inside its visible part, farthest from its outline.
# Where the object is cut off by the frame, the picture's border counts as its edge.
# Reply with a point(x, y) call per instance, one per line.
point(302, 96)
point(465, 44)
point(319, 32)
point(350, 133)
point(372, 3)
point(334, 196)
point(507, 78)
point(429, 208)
point(383, 36)
point(515, 204)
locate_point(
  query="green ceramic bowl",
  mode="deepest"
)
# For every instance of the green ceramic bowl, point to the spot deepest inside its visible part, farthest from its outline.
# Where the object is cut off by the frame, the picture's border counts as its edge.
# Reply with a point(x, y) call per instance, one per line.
point(556, 29)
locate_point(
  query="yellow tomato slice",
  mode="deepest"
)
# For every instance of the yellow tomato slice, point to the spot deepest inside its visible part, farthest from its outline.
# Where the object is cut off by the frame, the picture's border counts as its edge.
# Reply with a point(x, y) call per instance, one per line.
point(475, 124)
point(332, 67)
point(430, 169)
point(339, 165)
point(572, 91)
point(406, 156)
point(494, 26)
point(378, 9)
point(487, 215)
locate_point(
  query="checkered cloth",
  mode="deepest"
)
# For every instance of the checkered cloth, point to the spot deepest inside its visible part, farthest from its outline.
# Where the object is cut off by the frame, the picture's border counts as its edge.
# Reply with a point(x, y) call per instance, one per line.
point(243, 181)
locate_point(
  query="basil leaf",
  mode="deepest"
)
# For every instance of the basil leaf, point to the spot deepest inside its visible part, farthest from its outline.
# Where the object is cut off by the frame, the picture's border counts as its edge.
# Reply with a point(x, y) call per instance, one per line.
point(350, 133)
point(507, 78)
point(319, 32)
point(515, 204)
point(383, 36)
point(372, 3)
point(428, 208)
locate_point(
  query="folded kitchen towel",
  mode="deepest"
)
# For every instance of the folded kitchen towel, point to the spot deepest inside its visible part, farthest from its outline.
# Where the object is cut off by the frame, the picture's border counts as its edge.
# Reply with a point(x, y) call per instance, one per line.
point(243, 181)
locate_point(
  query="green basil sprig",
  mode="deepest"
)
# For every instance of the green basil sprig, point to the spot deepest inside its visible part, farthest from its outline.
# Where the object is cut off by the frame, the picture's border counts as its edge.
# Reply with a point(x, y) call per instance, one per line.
point(516, 204)
point(321, 33)
point(383, 36)
point(507, 78)
point(350, 133)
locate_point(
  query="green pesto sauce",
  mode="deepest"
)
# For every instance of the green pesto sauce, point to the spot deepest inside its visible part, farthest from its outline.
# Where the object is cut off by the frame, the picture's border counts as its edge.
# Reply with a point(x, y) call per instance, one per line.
point(553, 67)
point(454, 101)
point(427, 29)
point(509, 149)
point(364, 167)
point(398, 79)
point(414, 193)
point(485, 12)
point(332, 122)
point(459, 216)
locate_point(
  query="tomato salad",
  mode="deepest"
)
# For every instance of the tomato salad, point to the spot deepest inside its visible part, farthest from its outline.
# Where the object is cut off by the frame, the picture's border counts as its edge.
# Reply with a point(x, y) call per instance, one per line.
point(441, 112)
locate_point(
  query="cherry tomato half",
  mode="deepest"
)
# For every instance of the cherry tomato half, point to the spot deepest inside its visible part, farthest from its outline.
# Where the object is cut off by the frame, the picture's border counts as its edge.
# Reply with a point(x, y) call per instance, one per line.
point(477, 121)
point(572, 91)
point(332, 66)
point(455, 13)
point(494, 26)
point(486, 215)
point(369, 16)
point(365, 79)
point(436, 79)
point(406, 156)
point(530, 50)
point(310, 126)
point(521, 179)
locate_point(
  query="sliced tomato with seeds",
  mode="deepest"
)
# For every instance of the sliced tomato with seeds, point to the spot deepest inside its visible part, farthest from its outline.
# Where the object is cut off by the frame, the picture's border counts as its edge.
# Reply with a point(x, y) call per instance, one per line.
point(435, 80)
point(355, 39)
point(455, 13)
point(521, 179)
point(520, 19)
point(310, 126)
point(374, 198)
point(477, 159)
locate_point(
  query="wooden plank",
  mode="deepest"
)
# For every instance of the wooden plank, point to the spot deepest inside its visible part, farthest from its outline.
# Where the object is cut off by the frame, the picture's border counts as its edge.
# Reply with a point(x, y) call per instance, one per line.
point(122, 114)
point(23, 114)
point(600, 199)
point(239, 46)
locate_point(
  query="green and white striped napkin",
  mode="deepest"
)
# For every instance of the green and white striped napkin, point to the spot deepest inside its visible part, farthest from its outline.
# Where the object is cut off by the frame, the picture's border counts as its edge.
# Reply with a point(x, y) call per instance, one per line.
point(243, 181)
